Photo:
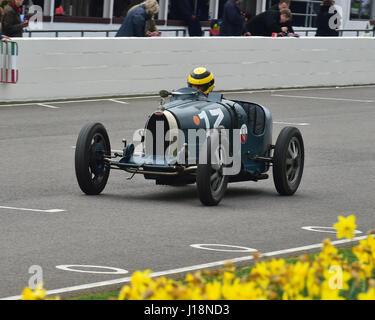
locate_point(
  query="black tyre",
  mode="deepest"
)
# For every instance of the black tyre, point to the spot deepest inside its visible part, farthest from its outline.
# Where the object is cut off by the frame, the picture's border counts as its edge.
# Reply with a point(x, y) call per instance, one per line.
point(91, 170)
point(211, 183)
point(288, 161)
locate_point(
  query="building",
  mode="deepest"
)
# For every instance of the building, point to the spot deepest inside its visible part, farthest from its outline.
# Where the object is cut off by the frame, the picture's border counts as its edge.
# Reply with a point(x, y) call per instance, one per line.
point(108, 14)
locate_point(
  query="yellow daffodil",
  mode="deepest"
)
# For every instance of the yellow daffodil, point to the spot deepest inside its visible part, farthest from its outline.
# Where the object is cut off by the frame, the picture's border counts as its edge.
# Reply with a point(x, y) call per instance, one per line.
point(345, 227)
point(370, 295)
point(213, 290)
point(39, 293)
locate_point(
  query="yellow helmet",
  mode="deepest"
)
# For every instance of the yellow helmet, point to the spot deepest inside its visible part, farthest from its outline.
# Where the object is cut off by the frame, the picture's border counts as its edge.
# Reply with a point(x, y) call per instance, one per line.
point(202, 78)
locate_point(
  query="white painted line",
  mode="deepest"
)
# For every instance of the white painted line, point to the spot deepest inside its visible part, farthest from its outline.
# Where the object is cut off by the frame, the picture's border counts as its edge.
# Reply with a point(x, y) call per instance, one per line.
point(157, 96)
point(190, 268)
point(299, 89)
point(292, 123)
point(236, 248)
point(79, 101)
point(75, 268)
point(18, 105)
point(54, 102)
point(47, 106)
point(117, 101)
point(139, 97)
point(324, 229)
point(320, 98)
point(34, 210)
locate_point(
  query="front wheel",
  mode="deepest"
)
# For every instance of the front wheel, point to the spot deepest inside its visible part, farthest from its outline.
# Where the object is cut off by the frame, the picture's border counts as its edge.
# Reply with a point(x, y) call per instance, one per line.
point(288, 161)
point(211, 182)
point(91, 170)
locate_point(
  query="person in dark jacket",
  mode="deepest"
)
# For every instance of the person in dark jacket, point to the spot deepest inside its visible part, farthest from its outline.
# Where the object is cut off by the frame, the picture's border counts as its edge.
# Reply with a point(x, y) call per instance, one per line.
point(268, 22)
point(322, 20)
point(134, 24)
point(282, 5)
point(11, 22)
point(185, 10)
point(151, 29)
point(233, 21)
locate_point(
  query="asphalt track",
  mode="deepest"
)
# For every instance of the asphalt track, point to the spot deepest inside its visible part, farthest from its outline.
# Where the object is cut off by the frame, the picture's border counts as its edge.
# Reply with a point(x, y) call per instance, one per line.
point(136, 225)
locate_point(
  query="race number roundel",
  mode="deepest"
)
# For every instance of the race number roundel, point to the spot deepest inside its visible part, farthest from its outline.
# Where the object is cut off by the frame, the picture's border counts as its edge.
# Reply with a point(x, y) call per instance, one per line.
point(243, 133)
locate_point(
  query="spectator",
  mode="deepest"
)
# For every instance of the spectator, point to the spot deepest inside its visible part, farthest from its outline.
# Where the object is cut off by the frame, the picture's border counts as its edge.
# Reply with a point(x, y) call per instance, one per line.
point(151, 29)
point(322, 20)
point(4, 38)
point(134, 24)
point(186, 10)
point(268, 22)
point(12, 26)
point(282, 5)
point(233, 21)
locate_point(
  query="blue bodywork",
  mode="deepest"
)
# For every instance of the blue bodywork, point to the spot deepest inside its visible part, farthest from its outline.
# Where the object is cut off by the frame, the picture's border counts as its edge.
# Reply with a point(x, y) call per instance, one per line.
point(190, 109)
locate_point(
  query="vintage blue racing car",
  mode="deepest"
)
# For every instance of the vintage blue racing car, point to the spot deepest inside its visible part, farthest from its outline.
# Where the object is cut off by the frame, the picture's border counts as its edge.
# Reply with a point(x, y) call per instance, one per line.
point(196, 138)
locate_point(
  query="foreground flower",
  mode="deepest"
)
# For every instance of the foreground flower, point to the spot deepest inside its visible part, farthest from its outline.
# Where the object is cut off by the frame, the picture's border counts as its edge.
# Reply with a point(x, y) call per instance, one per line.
point(370, 295)
point(37, 294)
point(345, 227)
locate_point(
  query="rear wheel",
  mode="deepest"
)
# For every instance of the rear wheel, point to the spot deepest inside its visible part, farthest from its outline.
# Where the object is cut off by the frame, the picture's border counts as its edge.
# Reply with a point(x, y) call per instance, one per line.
point(288, 161)
point(211, 182)
point(91, 170)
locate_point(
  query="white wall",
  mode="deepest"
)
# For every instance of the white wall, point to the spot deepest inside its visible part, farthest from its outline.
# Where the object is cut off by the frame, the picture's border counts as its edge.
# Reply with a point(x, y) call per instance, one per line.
point(66, 68)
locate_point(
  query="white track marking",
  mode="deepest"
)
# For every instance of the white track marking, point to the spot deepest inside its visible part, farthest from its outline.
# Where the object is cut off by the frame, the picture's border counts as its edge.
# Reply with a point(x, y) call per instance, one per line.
point(34, 210)
point(157, 96)
point(320, 98)
point(299, 89)
point(190, 268)
point(117, 101)
point(75, 268)
point(47, 106)
point(74, 101)
point(324, 229)
point(292, 123)
point(139, 97)
point(206, 246)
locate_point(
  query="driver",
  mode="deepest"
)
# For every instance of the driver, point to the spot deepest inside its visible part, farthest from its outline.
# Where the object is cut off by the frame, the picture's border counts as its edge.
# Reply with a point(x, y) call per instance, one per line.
point(201, 79)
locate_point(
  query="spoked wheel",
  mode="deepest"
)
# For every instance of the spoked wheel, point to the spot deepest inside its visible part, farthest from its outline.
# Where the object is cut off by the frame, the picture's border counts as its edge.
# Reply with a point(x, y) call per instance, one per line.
point(211, 183)
point(91, 170)
point(288, 161)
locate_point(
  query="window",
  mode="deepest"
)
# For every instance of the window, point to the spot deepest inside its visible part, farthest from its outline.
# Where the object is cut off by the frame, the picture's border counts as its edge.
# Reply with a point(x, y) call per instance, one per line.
point(360, 9)
point(121, 7)
point(180, 9)
point(304, 11)
point(83, 8)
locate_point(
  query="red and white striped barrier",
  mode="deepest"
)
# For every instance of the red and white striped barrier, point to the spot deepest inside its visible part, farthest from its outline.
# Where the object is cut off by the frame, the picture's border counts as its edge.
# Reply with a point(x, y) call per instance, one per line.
point(8, 62)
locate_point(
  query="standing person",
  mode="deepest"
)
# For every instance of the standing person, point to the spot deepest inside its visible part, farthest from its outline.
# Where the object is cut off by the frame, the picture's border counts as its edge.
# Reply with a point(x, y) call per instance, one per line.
point(12, 26)
point(233, 20)
point(186, 10)
point(134, 24)
point(268, 22)
point(322, 21)
point(282, 5)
